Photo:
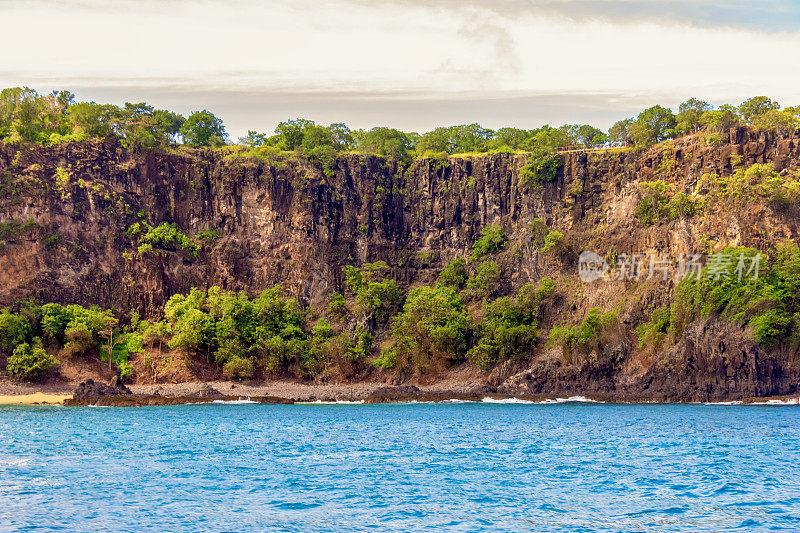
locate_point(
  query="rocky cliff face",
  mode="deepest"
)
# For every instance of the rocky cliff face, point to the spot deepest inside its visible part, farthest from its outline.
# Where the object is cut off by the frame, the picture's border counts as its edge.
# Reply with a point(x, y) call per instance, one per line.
point(66, 211)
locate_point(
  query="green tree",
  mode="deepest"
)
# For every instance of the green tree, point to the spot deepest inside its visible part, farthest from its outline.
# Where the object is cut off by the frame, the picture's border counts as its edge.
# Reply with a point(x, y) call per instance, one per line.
point(653, 125)
point(202, 128)
point(754, 107)
point(454, 275)
point(30, 362)
point(386, 142)
point(14, 330)
point(433, 325)
point(292, 132)
point(621, 131)
point(689, 114)
point(91, 119)
point(720, 120)
point(590, 136)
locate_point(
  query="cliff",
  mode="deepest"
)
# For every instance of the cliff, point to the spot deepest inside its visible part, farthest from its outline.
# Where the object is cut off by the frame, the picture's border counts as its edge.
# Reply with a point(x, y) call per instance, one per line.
point(67, 211)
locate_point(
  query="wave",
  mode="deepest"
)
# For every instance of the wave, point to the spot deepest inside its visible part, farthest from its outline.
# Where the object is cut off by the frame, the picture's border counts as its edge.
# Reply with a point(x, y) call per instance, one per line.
point(571, 399)
point(487, 399)
point(240, 401)
point(788, 401)
point(334, 402)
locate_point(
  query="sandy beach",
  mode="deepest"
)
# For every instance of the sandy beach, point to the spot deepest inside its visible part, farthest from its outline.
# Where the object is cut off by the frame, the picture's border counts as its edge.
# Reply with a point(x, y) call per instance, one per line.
point(36, 398)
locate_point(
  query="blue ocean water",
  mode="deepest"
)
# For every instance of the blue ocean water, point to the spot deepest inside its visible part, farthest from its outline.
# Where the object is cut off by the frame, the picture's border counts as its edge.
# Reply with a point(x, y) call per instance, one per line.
point(401, 467)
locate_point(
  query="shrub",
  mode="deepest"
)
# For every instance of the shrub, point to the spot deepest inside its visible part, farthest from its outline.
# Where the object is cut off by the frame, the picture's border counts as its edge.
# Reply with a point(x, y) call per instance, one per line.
point(656, 204)
point(238, 367)
point(375, 297)
point(454, 275)
point(166, 236)
point(543, 166)
point(485, 280)
point(578, 343)
point(651, 334)
point(14, 330)
point(492, 239)
point(433, 325)
point(387, 359)
point(337, 306)
point(509, 325)
point(553, 239)
point(538, 231)
point(766, 303)
point(30, 363)
point(209, 235)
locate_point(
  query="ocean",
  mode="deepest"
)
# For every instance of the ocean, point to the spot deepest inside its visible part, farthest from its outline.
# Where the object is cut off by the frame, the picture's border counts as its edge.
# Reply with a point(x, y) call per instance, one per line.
point(570, 466)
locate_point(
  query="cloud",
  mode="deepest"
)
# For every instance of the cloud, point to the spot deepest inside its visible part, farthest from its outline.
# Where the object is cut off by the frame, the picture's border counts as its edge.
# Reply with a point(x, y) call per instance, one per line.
point(415, 64)
point(761, 15)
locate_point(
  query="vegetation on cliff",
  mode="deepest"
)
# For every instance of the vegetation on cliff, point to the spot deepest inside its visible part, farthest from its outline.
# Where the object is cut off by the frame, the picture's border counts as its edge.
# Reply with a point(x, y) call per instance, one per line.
point(391, 267)
point(55, 118)
point(272, 335)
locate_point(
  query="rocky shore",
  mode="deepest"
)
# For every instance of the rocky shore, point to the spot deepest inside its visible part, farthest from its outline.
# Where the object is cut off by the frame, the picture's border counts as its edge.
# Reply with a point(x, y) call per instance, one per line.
point(91, 393)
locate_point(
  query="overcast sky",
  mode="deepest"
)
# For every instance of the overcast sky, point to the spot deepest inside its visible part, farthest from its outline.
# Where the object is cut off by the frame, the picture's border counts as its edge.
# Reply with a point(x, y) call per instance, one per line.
point(412, 65)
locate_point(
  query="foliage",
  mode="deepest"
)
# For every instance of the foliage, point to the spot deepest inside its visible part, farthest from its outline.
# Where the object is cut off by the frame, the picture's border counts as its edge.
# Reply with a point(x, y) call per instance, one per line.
point(579, 342)
point(166, 236)
point(432, 326)
point(268, 331)
point(30, 362)
point(765, 299)
point(553, 239)
point(209, 235)
point(386, 142)
point(454, 139)
point(754, 107)
point(202, 128)
point(538, 231)
point(14, 330)
point(543, 166)
point(454, 275)
point(375, 297)
point(653, 125)
point(492, 240)
point(689, 115)
point(509, 325)
point(338, 305)
point(621, 131)
point(745, 186)
point(484, 282)
point(652, 333)
point(659, 204)
point(14, 228)
point(720, 120)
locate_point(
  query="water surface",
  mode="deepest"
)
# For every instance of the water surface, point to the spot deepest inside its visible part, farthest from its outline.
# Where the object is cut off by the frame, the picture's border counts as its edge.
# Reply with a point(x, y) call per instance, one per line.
point(401, 467)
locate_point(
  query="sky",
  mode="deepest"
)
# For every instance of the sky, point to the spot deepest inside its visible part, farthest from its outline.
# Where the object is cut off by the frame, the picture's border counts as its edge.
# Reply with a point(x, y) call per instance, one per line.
point(413, 65)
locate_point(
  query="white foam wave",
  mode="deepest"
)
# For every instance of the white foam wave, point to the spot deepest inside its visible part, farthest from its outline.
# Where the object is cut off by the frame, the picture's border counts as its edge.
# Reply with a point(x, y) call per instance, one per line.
point(240, 401)
point(789, 401)
point(335, 402)
point(571, 399)
point(487, 399)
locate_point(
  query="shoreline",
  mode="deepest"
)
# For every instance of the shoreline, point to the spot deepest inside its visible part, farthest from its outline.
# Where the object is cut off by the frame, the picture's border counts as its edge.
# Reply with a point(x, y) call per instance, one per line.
point(288, 392)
